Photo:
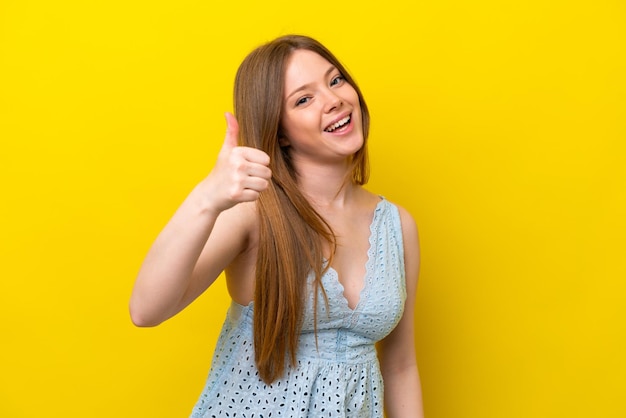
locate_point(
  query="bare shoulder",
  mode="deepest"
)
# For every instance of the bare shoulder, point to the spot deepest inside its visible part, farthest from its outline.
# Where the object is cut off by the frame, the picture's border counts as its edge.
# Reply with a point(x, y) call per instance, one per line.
point(247, 215)
point(235, 230)
point(245, 209)
point(241, 219)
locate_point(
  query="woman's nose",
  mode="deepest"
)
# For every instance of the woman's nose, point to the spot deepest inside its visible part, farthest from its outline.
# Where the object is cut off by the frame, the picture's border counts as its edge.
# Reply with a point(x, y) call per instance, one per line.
point(333, 102)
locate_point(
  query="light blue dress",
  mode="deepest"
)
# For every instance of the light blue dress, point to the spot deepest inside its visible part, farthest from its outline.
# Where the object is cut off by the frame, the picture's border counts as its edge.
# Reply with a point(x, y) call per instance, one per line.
point(339, 378)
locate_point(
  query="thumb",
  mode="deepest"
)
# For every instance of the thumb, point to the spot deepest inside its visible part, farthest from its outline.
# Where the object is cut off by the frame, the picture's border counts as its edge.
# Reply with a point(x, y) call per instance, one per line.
point(232, 131)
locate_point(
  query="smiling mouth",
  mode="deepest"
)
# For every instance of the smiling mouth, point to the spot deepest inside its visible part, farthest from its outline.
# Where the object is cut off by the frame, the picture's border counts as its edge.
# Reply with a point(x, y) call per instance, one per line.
point(339, 124)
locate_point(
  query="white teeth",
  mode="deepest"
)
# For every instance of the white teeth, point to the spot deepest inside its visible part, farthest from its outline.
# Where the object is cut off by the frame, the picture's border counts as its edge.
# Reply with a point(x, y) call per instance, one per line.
point(338, 124)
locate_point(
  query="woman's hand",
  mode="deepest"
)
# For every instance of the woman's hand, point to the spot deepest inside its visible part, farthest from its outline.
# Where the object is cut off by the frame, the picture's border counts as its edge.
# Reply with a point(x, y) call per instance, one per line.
point(240, 173)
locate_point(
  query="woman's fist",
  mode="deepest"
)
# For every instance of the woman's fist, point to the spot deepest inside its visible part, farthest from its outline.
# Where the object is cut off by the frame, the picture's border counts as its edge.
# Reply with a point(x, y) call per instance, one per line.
point(240, 173)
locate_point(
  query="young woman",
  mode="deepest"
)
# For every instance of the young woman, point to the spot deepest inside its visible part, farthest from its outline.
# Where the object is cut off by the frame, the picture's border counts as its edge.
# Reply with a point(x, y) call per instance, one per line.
point(321, 272)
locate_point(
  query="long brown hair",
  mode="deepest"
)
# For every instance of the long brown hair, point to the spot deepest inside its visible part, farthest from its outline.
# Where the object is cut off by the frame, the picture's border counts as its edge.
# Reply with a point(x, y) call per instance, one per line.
point(292, 233)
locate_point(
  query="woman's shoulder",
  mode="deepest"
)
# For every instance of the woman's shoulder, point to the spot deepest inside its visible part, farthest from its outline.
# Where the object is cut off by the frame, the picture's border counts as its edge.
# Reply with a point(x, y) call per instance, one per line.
point(238, 223)
point(407, 221)
point(246, 214)
point(245, 211)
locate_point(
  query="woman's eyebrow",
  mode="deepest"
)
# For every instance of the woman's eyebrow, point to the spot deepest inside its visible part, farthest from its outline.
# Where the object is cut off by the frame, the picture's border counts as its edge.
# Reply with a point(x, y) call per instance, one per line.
point(305, 86)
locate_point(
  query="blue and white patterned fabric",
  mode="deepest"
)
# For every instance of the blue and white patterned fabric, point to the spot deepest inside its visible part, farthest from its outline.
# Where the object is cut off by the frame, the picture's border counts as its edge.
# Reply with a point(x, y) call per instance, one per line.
point(338, 377)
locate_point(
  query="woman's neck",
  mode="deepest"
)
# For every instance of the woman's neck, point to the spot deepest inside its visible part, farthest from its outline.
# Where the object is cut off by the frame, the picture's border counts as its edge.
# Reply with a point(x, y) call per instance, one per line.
point(327, 186)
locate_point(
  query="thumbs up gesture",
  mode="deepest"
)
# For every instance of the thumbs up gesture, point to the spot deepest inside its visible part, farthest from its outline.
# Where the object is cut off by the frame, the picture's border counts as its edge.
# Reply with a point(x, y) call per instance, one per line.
point(240, 173)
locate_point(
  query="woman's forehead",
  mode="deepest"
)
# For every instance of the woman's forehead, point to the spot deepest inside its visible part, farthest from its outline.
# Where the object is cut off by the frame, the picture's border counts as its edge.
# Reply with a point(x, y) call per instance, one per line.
point(304, 67)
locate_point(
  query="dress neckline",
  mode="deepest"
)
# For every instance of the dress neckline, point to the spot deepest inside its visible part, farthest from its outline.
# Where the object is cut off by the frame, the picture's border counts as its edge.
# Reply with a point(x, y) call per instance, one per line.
point(335, 276)
point(332, 274)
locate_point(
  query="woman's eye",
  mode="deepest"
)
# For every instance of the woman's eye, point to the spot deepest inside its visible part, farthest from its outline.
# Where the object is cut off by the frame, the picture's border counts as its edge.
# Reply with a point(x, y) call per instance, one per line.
point(336, 80)
point(302, 101)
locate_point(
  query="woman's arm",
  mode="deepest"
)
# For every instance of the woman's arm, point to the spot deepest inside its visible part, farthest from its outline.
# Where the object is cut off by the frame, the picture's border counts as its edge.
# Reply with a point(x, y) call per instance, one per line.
point(403, 393)
point(205, 234)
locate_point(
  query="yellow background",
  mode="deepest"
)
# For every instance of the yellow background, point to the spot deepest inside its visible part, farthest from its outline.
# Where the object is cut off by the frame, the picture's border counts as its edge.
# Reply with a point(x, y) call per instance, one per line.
point(499, 124)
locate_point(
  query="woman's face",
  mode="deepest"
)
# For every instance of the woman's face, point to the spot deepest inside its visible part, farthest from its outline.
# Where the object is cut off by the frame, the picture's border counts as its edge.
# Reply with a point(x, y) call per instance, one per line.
point(321, 119)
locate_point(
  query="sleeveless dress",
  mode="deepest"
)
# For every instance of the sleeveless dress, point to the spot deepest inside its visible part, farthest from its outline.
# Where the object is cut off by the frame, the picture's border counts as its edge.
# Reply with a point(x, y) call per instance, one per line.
point(340, 377)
